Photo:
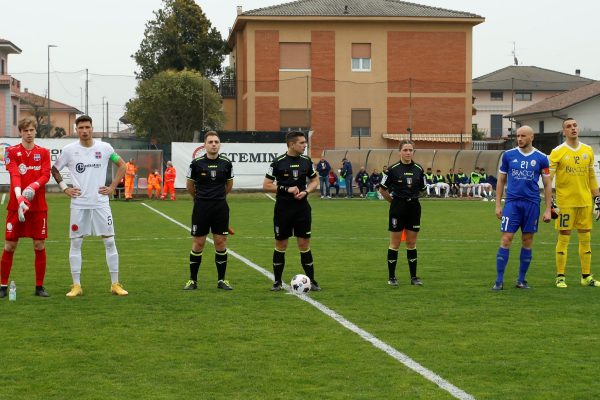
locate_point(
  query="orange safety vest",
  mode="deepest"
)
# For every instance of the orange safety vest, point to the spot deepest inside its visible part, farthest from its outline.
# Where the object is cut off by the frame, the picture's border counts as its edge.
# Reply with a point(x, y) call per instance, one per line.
point(170, 174)
point(154, 180)
point(131, 169)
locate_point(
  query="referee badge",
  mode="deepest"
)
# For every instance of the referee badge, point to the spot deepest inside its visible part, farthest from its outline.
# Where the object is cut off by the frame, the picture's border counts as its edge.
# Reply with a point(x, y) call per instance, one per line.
point(213, 174)
point(409, 181)
point(295, 173)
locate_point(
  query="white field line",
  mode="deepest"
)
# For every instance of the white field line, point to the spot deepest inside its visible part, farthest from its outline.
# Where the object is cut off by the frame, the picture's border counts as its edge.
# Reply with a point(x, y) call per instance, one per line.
point(381, 345)
point(3, 198)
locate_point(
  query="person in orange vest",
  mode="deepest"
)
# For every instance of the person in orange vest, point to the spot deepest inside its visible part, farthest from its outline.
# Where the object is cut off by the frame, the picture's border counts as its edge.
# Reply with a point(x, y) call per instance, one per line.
point(169, 181)
point(130, 173)
point(154, 181)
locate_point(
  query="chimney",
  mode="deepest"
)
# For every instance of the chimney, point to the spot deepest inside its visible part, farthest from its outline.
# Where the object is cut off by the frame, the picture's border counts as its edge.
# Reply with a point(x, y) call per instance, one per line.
point(578, 72)
point(239, 10)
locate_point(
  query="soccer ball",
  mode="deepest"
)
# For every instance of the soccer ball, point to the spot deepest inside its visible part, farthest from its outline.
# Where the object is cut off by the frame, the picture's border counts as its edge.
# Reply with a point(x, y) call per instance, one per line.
point(300, 284)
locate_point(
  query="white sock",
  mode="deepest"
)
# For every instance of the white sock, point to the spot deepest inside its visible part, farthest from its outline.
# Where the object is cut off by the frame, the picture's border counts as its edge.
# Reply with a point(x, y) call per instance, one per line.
point(112, 258)
point(75, 259)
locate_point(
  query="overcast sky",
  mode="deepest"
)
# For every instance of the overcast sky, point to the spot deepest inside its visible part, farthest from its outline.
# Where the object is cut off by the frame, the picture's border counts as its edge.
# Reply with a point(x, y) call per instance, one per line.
point(101, 35)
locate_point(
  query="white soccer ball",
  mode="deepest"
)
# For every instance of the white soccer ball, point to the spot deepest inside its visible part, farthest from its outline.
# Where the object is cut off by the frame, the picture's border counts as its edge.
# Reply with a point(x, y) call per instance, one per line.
point(300, 284)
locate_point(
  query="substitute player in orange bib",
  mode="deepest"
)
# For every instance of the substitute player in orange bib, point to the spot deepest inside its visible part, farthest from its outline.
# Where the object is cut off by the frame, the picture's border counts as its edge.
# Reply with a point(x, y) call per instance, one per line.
point(29, 167)
point(154, 181)
point(130, 173)
point(169, 181)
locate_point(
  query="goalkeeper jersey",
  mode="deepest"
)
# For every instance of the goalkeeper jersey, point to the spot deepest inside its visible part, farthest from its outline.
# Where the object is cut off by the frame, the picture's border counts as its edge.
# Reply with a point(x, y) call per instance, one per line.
point(574, 172)
point(25, 167)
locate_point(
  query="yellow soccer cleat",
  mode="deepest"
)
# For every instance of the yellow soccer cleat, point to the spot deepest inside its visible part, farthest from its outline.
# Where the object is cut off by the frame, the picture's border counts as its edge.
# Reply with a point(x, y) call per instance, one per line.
point(75, 291)
point(561, 282)
point(117, 289)
point(589, 281)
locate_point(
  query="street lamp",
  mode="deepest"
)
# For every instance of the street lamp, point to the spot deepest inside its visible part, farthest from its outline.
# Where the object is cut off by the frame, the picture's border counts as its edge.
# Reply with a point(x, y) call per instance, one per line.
point(49, 128)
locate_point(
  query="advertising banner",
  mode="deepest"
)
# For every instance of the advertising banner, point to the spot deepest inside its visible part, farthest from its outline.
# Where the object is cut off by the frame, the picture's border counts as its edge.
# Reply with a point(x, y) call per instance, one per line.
point(250, 161)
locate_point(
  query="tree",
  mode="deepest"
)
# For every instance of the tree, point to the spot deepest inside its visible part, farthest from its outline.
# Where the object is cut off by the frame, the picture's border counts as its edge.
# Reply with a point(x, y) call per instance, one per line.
point(171, 105)
point(39, 111)
point(180, 37)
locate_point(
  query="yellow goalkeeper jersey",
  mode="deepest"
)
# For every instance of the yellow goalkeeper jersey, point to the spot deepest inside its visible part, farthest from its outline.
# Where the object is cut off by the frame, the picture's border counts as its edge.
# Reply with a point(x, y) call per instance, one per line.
point(574, 172)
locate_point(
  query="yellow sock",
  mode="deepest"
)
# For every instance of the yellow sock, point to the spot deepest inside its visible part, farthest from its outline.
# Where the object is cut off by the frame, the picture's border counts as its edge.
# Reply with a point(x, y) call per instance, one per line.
point(561, 253)
point(585, 252)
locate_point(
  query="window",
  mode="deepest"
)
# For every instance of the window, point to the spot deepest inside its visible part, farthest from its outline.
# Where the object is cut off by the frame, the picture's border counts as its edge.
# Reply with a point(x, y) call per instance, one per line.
point(541, 127)
point(2, 67)
point(294, 56)
point(496, 123)
point(14, 115)
point(496, 96)
point(523, 96)
point(294, 120)
point(361, 57)
point(361, 123)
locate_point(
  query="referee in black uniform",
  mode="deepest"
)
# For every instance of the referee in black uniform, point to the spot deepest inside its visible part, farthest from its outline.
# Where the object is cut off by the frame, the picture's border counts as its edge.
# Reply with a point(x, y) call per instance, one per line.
point(287, 177)
point(401, 186)
point(209, 179)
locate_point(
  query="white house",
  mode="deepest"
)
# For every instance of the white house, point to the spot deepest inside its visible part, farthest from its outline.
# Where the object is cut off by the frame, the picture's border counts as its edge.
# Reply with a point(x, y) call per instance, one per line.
point(514, 88)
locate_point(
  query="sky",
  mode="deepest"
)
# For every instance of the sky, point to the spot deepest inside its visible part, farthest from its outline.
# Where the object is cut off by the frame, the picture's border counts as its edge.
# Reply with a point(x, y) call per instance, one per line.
point(101, 35)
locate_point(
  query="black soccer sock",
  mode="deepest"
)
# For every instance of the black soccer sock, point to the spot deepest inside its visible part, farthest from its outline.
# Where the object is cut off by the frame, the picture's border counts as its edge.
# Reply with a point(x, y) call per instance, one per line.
point(306, 259)
point(411, 256)
point(195, 260)
point(278, 264)
point(221, 263)
point(392, 258)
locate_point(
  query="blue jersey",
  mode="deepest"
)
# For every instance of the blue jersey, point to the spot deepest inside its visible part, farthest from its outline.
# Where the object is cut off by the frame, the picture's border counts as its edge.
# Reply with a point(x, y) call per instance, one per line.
point(523, 173)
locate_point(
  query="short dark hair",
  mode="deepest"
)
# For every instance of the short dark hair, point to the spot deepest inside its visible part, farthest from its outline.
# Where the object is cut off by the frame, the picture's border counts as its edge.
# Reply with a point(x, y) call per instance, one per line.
point(293, 136)
point(25, 122)
point(83, 118)
point(211, 133)
point(567, 119)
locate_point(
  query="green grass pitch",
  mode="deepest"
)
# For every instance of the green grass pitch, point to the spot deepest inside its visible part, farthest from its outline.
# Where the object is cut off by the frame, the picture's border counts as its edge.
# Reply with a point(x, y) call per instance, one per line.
point(163, 343)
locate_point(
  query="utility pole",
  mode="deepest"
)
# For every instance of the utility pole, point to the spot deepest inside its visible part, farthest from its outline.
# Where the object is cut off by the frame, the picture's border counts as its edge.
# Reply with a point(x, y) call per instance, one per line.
point(86, 91)
point(107, 126)
point(103, 130)
point(49, 125)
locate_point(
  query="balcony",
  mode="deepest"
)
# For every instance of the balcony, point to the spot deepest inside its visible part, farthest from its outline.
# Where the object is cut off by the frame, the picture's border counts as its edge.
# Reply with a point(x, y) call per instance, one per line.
point(227, 87)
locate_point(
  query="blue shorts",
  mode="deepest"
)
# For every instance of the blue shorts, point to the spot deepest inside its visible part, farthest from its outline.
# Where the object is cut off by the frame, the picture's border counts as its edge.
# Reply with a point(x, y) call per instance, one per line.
point(520, 214)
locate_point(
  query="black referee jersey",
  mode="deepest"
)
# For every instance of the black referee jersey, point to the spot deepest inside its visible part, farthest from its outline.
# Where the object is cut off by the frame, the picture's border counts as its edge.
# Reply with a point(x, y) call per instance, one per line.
point(210, 177)
point(404, 181)
point(291, 171)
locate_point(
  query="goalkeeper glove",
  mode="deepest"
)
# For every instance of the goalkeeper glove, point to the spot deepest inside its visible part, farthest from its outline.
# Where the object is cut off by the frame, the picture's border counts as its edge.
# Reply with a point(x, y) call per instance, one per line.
point(29, 191)
point(554, 210)
point(597, 207)
point(23, 207)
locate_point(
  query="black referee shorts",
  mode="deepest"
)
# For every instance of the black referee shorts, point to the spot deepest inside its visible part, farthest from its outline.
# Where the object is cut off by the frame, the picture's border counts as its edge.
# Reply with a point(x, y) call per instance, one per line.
point(210, 215)
point(292, 218)
point(405, 214)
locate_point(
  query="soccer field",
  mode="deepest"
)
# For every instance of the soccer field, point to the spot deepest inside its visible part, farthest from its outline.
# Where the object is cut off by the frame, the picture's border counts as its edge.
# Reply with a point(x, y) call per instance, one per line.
point(163, 343)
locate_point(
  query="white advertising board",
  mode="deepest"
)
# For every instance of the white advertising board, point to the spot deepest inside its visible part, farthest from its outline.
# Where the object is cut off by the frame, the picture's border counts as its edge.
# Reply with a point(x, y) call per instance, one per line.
point(55, 147)
point(250, 161)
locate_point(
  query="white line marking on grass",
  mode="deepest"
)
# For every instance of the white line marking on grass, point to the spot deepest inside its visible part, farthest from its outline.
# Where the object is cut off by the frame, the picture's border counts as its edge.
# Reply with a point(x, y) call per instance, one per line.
point(3, 198)
point(381, 345)
point(269, 196)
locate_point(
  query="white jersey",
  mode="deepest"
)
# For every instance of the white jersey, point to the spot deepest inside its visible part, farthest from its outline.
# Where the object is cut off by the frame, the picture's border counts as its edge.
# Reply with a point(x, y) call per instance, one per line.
point(87, 166)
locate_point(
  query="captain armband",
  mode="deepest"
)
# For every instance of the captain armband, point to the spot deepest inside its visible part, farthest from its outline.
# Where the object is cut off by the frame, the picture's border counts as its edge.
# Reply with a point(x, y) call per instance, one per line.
point(114, 157)
point(281, 189)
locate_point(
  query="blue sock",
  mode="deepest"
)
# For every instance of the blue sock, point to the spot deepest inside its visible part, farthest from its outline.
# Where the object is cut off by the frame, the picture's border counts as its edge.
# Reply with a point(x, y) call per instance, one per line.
point(525, 261)
point(501, 261)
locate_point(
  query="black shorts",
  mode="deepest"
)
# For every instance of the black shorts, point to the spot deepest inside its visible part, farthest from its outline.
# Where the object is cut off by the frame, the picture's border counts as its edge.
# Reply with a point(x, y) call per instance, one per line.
point(405, 214)
point(292, 218)
point(210, 215)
